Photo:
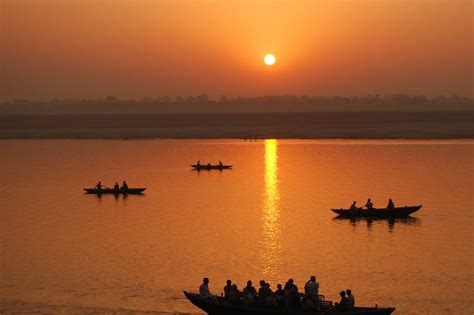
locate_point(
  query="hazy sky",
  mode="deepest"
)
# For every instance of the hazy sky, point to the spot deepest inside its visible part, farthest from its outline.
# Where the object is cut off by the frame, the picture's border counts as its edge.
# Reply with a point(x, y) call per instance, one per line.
point(137, 48)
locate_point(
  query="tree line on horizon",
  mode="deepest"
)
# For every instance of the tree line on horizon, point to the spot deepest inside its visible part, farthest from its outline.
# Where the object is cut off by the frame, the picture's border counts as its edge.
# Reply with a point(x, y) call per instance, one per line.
point(270, 103)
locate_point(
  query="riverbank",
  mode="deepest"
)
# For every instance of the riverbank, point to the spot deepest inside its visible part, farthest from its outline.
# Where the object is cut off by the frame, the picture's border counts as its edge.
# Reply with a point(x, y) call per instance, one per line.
point(327, 125)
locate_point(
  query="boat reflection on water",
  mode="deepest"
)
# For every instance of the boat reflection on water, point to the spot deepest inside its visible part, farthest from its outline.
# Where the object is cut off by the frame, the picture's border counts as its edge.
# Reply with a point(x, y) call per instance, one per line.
point(370, 221)
point(271, 230)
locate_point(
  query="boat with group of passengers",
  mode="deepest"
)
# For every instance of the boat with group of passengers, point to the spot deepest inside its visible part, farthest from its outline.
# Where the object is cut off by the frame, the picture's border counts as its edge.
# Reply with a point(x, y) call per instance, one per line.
point(220, 306)
point(207, 167)
point(396, 212)
point(99, 189)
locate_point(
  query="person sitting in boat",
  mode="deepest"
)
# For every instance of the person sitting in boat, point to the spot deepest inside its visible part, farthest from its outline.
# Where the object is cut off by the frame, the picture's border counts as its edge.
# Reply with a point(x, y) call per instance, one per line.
point(353, 206)
point(264, 294)
point(249, 293)
point(227, 289)
point(390, 205)
point(292, 297)
point(311, 289)
point(124, 185)
point(204, 289)
point(220, 164)
point(198, 163)
point(280, 296)
point(99, 185)
point(350, 298)
point(235, 295)
point(369, 205)
point(343, 304)
point(209, 165)
point(116, 186)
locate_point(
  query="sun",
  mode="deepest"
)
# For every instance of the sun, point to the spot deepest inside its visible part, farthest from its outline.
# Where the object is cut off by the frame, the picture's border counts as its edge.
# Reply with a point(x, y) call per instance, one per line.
point(269, 59)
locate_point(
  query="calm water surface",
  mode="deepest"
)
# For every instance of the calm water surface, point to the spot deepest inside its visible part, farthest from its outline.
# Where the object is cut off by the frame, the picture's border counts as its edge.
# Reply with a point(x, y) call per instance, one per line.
point(269, 218)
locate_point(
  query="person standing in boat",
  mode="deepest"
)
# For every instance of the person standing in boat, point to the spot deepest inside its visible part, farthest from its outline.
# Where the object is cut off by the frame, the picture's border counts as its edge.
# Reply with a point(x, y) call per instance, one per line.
point(311, 289)
point(390, 205)
point(124, 185)
point(369, 205)
point(227, 289)
point(353, 206)
point(99, 185)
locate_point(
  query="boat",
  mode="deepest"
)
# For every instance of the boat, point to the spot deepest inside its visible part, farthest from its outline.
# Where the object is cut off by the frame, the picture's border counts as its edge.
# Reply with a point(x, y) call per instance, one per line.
point(219, 306)
point(210, 167)
point(128, 191)
point(397, 212)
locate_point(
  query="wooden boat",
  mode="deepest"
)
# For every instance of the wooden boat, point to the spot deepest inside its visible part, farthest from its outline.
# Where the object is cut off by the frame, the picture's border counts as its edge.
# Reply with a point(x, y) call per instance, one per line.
point(210, 167)
point(398, 212)
point(128, 191)
point(219, 306)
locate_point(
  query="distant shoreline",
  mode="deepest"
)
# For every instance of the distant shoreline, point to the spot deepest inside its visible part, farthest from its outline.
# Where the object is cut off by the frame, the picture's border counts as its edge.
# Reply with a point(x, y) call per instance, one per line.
point(315, 125)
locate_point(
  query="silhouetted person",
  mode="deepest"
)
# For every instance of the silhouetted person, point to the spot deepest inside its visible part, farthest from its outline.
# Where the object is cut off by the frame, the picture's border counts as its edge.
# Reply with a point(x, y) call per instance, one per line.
point(198, 163)
point(99, 185)
point(311, 289)
point(250, 294)
point(350, 298)
point(264, 293)
point(204, 289)
point(124, 185)
point(353, 206)
point(280, 296)
point(209, 164)
point(369, 204)
point(220, 164)
point(235, 295)
point(390, 205)
point(116, 186)
point(227, 289)
point(344, 302)
point(292, 297)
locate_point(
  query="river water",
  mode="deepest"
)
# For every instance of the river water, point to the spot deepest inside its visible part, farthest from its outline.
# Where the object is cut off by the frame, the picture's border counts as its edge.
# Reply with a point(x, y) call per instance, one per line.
point(269, 218)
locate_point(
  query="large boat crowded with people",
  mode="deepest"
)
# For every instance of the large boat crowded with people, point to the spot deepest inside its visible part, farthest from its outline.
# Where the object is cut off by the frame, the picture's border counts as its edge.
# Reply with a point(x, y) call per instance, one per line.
point(284, 300)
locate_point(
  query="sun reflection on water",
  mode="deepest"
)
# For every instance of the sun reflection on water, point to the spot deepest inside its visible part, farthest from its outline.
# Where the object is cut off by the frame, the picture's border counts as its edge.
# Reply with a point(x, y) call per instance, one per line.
point(271, 212)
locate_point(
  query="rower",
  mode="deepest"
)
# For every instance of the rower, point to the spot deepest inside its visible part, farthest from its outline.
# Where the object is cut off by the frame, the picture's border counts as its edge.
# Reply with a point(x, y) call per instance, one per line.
point(99, 185)
point(124, 185)
point(369, 205)
point(390, 205)
point(353, 206)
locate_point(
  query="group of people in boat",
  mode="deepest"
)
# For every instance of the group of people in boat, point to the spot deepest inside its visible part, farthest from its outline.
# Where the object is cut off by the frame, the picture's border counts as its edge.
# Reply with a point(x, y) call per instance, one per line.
point(284, 297)
point(116, 186)
point(198, 164)
point(369, 205)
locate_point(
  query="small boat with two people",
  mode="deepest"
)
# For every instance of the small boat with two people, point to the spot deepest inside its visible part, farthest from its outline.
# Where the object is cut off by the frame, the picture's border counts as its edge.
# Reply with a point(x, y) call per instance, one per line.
point(207, 167)
point(285, 300)
point(99, 189)
point(368, 211)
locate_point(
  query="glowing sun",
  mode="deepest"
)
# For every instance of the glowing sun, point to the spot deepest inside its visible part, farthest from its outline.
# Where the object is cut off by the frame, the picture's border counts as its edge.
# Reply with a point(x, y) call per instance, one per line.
point(269, 59)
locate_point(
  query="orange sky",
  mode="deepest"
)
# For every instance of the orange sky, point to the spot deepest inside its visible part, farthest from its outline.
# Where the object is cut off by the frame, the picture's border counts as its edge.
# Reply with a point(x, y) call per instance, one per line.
point(125, 48)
